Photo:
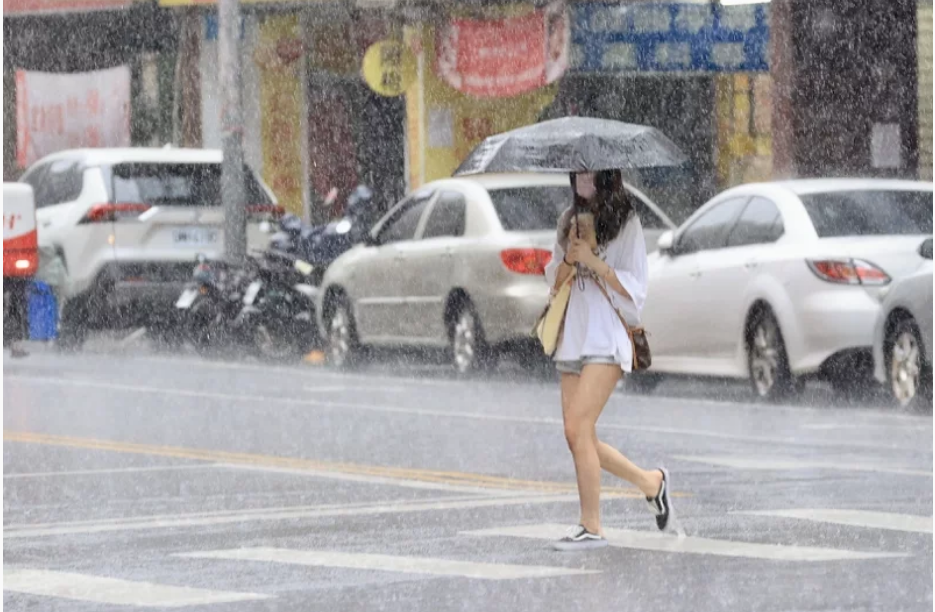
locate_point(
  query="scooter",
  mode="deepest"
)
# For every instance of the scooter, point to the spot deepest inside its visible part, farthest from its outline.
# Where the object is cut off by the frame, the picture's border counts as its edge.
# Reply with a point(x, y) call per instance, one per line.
point(279, 307)
point(263, 307)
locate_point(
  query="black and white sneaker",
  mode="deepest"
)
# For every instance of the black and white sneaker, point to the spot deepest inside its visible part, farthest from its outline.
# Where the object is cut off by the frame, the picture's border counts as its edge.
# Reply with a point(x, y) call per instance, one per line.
point(579, 538)
point(660, 505)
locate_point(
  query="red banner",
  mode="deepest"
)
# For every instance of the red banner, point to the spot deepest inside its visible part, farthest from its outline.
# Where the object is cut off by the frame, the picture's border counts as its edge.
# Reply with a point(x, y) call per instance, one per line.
point(504, 57)
point(38, 7)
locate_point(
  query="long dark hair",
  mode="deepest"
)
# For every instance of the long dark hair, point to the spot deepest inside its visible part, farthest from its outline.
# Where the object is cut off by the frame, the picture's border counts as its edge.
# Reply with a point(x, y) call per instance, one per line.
point(611, 206)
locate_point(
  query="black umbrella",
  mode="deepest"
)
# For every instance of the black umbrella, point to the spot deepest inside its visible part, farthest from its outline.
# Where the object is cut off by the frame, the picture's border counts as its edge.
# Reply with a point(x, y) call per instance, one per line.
point(573, 144)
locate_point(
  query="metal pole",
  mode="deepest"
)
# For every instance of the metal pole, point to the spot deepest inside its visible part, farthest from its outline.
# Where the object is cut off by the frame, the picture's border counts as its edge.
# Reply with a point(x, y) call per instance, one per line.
point(233, 195)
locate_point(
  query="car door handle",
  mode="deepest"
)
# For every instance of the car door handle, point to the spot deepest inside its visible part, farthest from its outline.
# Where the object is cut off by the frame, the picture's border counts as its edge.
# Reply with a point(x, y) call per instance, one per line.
point(46, 224)
point(695, 274)
point(751, 264)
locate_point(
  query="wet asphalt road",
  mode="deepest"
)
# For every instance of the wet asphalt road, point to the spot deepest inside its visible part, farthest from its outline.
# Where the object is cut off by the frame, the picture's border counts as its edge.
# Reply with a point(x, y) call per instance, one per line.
point(171, 482)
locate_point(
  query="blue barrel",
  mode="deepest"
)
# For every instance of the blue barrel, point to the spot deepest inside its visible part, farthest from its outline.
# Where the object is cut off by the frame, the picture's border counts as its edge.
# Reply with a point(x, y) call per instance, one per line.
point(43, 312)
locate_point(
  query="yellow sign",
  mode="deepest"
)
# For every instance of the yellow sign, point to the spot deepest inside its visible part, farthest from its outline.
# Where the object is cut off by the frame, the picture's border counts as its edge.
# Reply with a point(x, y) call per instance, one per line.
point(389, 67)
point(278, 54)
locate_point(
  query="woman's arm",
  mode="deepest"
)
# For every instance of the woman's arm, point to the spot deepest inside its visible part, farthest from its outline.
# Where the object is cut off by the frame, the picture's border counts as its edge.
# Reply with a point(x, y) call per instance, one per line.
point(626, 270)
point(560, 267)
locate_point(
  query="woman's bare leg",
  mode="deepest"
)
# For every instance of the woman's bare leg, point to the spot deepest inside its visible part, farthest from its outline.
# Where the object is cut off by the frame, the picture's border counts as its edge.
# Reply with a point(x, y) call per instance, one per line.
point(583, 400)
point(617, 464)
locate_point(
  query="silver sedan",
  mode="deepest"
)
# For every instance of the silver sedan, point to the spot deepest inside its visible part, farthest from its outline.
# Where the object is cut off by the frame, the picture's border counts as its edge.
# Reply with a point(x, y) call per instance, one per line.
point(458, 264)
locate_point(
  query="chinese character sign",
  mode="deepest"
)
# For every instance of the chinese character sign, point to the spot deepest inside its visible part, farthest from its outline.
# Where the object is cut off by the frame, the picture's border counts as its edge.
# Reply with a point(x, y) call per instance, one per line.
point(504, 57)
point(67, 111)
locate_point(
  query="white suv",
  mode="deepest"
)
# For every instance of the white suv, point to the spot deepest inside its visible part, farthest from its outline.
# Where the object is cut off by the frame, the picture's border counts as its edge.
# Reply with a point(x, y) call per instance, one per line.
point(128, 224)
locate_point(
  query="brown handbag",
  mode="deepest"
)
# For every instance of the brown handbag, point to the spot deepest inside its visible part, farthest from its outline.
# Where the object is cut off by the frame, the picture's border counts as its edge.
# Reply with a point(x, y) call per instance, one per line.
point(642, 356)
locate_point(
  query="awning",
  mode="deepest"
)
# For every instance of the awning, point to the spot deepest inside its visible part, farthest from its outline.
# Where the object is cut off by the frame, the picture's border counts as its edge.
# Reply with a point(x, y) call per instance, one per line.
point(173, 3)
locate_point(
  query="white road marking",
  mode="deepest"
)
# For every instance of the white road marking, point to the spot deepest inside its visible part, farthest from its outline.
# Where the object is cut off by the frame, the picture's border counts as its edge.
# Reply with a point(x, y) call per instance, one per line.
point(395, 482)
point(389, 563)
point(449, 382)
point(112, 591)
point(332, 405)
point(149, 518)
point(855, 518)
point(126, 470)
point(279, 515)
point(655, 541)
point(765, 463)
point(861, 426)
point(354, 389)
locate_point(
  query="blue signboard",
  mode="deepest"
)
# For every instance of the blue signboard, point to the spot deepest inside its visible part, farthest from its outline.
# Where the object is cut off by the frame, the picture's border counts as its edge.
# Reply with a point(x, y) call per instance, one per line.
point(703, 37)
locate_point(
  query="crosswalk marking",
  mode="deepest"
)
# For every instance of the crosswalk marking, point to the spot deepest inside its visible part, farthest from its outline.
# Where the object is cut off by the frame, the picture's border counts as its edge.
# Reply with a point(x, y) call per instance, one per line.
point(856, 518)
point(766, 463)
point(281, 514)
point(96, 589)
point(389, 563)
point(645, 540)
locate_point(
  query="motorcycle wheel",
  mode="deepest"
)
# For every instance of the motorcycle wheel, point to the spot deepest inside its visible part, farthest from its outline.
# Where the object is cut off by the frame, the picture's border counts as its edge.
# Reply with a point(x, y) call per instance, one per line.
point(274, 342)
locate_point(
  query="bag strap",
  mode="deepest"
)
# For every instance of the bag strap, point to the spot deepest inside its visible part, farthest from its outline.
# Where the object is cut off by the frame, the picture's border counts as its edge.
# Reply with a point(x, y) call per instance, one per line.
point(626, 326)
point(567, 281)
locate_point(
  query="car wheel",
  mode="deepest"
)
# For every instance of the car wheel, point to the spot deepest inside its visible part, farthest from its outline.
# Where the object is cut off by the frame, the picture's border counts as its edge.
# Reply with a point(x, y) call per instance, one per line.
point(342, 335)
point(767, 361)
point(469, 350)
point(909, 383)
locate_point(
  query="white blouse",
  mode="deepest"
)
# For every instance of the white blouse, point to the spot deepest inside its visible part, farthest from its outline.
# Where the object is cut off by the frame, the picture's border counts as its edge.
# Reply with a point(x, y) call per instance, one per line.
point(592, 328)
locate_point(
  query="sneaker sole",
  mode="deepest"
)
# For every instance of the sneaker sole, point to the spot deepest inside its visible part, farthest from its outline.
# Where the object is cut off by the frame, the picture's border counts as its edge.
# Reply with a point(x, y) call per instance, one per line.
point(577, 546)
point(666, 499)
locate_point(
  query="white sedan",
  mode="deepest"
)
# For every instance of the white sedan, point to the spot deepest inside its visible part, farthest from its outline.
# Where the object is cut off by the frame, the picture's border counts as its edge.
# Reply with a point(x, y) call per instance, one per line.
point(779, 282)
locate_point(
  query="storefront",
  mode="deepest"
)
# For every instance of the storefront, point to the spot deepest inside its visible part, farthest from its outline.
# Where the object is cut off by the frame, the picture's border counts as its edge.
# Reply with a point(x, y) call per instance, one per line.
point(69, 54)
point(696, 71)
point(479, 73)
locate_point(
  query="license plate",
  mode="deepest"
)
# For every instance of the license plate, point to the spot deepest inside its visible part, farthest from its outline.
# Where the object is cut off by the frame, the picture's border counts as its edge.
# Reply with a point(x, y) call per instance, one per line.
point(251, 292)
point(187, 298)
point(195, 236)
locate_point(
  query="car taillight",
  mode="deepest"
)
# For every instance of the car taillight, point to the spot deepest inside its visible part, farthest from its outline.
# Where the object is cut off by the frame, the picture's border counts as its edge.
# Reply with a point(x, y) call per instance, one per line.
point(265, 212)
point(108, 212)
point(526, 261)
point(848, 271)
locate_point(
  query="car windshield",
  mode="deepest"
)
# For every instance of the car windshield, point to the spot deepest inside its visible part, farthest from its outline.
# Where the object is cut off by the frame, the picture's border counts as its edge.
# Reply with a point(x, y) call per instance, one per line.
point(869, 213)
point(530, 209)
point(175, 184)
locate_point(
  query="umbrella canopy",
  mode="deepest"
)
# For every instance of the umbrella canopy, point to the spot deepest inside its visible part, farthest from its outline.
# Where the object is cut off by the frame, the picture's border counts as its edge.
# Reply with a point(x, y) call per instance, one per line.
point(573, 144)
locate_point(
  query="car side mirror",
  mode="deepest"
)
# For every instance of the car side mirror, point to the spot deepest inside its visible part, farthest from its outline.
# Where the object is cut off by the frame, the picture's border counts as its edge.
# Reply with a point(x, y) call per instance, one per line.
point(926, 249)
point(666, 243)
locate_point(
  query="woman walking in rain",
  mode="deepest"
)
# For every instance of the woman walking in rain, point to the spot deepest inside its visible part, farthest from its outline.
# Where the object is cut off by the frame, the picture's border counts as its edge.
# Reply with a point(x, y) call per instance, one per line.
point(604, 243)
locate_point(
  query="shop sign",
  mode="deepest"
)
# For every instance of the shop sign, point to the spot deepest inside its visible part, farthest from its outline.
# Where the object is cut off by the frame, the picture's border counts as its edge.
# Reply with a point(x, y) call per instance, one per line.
point(67, 111)
point(389, 67)
point(499, 58)
point(677, 37)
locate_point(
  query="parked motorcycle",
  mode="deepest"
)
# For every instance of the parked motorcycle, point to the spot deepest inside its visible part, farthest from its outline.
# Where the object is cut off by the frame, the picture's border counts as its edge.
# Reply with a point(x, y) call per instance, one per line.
point(279, 307)
point(265, 307)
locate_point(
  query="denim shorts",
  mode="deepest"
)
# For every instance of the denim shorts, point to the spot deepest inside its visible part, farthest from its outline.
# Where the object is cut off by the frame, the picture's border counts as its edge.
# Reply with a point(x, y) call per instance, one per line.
point(575, 366)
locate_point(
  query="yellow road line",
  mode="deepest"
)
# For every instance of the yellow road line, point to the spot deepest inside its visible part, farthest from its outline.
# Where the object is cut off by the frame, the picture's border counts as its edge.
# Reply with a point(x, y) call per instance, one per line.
point(415, 474)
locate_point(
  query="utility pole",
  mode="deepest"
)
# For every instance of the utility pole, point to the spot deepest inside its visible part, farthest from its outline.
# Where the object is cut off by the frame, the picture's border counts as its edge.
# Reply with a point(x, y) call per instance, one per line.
point(233, 196)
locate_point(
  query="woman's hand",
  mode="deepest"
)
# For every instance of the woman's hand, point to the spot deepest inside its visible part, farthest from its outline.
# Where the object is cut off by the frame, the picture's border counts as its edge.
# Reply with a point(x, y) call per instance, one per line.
point(579, 251)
